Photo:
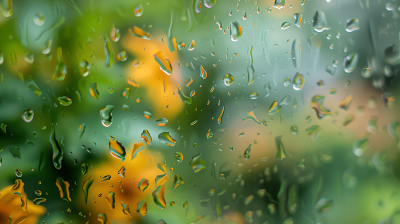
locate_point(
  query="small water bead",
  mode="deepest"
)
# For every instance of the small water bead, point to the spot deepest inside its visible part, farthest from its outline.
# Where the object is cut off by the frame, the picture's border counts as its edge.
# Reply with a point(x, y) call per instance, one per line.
point(38, 19)
point(27, 115)
point(122, 56)
point(115, 34)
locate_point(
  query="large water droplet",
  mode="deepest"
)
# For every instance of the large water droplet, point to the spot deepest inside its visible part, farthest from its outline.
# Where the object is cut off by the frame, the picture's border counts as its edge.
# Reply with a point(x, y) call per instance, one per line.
point(352, 25)
point(235, 30)
point(350, 62)
point(298, 81)
point(27, 115)
point(319, 22)
point(38, 19)
point(296, 53)
point(228, 79)
point(106, 116)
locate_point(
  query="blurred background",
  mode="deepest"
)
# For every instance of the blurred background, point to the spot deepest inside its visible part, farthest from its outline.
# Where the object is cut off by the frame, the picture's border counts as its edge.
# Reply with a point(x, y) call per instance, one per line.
point(199, 111)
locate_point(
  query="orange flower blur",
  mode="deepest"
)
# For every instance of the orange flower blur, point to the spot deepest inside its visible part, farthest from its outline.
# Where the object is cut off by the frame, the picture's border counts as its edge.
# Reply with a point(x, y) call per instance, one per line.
point(10, 207)
point(149, 75)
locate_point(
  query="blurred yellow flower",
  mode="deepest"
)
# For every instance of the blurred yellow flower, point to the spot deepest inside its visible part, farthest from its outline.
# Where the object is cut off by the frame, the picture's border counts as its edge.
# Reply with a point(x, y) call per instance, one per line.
point(125, 189)
point(10, 208)
point(161, 88)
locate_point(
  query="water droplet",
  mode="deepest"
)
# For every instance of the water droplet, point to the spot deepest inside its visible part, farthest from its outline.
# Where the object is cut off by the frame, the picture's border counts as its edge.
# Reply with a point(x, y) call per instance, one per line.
point(105, 178)
point(146, 137)
point(58, 153)
point(350, 62)
point(47, 46)
point(27, 115)
point(392, 54)
point(281, 154)
point(319, 22)
point(285, 25)
point(121, 172)
point(117, 150)
point(197, 163)
point(137, 147)
point(38, 19)
point(352, 25)
point(320, 110)
point(210, 3)
point(221, 115)
point(84, 67)
point(64, 101)
point(158, 196)
point(294, 130)
point(106, 116)
point(102, 218)
point(345, 104)
point(138, 10)
point(177, 181)
point(137, 32)
point(108, 51)
point(122, 56)
point(61, 68)
point(93, 90)
point(111, 199)
point(314, 131)
point(181, 45)
point(164, 63)
point(63, 187)
point(127, 93)
point(298, 81)
point(274, 108)
point(179, 156)
point(279, 4)
point(81, 130)
point(244, 15)
point(29, 57)
point(203, 72)
point(228, 79)
point(348, 120)
point(125, 209)
point(254, 95)
point(323, 205)
point(184, 98)
point(115, 34)
point(298, 18)
point(143, 184)
point(247, 151)
point(235, 31)
point(296, 53)
point(165, 138)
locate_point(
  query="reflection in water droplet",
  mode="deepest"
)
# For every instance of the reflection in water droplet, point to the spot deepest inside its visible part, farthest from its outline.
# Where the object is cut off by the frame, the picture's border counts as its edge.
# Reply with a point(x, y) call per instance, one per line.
point(350, 62)
point(197, 163)
point(94, 91)
point(348, 120)
point(137, 32)
point(61, 68)
point(106, 116)
point(319, 22)
point(296, 53)
point(345, 104)
point(274, 108)
point(392, 54)
point(84, 67)
point(63, 187)
point(314, 131)
point(111, 199)
point(64, 101)
point(191, 45)
point(177, 181)
point(298, 18)
point(203, 72)
point(228, 79)
point(298, 81)
point(146, 137)
point(27, 115)
point(38, 19)
point(141, 208)
point(210, 3)
point(235, 31)
point(102, 218)
point(115, 34)
point(285, 25)
point(247, 151)
point(47, 46)
point(164, 63)
point(29, 57)
point(108, 51)
point(165, 138)
point(117, 150)
point(138, 10)
point(137, 147)
point(158, 197)
point(294, 130)
point(122, 56)
point(281, 154)
point(320, 110)
point(352, 25)
point(279, 4)
point(179, 156)
point(143, 184)
point(58, 153)
point(221, 115)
